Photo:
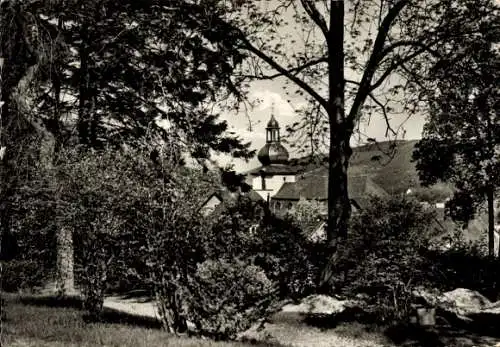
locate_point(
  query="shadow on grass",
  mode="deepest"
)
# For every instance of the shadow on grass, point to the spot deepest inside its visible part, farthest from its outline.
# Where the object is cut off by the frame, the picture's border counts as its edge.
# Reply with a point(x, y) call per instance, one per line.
point(140, 295)
point(111, 316)
point(352, 315)
point(447, 332)
point(255, 342)
point(53, 301)
point(439, 336)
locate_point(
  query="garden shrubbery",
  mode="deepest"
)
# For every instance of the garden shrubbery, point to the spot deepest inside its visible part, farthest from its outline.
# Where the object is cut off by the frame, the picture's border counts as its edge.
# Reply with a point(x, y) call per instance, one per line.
point(226, 297)
point(34, 259)
point(392, 249)
point(384, 256)
point(464, 266)
point(136, 222)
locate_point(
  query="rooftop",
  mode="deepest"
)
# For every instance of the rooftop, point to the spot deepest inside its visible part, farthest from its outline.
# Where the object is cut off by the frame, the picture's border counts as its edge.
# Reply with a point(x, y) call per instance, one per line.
point(275, 169)
point(315, 186)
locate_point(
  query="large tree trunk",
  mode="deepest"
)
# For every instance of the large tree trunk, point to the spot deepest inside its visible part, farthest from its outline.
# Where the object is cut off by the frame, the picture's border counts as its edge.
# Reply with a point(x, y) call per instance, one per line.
point(339, 208)
point(86, 117)
point(491, 221)
point(65, 281)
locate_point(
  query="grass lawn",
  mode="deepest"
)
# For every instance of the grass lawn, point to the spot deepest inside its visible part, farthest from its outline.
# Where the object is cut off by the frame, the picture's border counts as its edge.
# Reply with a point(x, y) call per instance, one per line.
point(45, 322)
point(28, 324)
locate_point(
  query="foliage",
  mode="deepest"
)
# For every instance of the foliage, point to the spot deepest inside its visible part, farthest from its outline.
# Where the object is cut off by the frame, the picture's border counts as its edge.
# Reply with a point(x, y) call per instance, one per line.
point(100, 74)
point(121, 69)
point(128, 213)
point(463, 264)
point(432, 195)
point(33, 261)
point(227, 297)
point(307, 213)
point(462, 134)
point(384, 256)
point(241, 245)
point(247, 232)
point(18, 275)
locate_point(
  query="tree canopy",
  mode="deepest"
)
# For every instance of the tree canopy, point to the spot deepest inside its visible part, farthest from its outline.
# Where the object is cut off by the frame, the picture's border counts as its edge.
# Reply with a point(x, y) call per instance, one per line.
point(349, 60)
point(461, 139)
point(107, 72)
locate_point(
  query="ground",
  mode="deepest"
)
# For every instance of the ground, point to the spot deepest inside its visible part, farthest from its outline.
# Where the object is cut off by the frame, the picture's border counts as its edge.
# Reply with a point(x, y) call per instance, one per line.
point(129, 321)
point(44, 323)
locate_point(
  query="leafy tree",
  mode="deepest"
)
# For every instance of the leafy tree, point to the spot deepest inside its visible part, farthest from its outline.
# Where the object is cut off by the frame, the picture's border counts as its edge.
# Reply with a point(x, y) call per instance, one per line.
point(118, 68)
point(111, 71)
point(321, 47)
point(461, 140)
point(385, 258)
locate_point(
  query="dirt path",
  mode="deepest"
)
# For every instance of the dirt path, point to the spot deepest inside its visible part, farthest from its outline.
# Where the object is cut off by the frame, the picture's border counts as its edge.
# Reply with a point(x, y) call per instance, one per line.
point(141, 306)
point(296, 333)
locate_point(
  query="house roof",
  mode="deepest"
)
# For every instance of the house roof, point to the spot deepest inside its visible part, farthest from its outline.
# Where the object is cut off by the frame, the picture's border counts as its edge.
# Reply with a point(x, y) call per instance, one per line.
point(275, 169)
point(225, 196)
point(315, 186)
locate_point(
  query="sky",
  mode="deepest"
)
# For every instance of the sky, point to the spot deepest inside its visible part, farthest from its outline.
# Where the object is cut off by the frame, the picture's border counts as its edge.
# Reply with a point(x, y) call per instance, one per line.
point(272, 97)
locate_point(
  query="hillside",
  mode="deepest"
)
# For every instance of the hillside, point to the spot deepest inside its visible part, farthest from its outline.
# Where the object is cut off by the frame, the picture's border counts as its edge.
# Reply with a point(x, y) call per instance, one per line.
point(389, 164)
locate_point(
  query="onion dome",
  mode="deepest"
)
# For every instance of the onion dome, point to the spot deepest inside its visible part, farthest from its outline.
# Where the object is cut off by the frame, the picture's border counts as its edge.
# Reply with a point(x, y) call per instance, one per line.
point(273, 151)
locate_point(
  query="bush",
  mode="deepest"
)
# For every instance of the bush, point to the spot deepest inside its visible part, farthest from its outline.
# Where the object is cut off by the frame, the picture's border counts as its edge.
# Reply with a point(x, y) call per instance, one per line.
point(23, 274)
point(247, 232)
point(464, 266)
point(384, 256)
point(246, 262)
point(228, 297)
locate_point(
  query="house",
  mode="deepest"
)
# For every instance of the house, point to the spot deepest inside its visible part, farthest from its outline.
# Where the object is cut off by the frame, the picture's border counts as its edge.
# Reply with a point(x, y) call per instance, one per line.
point(282, 182)
point(314, 185)
point(217, 198)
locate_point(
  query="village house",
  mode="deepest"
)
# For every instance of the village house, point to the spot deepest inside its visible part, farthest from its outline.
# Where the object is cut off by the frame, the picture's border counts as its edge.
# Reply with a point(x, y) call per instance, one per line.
point(282, 184)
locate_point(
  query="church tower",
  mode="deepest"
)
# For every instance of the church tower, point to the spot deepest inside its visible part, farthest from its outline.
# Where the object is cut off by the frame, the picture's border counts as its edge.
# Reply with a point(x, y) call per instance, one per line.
point(275, 170)
point(273, 151)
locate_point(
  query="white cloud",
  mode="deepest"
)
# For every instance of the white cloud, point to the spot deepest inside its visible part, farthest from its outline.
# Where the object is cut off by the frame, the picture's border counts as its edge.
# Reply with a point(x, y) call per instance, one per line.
point(269, 100)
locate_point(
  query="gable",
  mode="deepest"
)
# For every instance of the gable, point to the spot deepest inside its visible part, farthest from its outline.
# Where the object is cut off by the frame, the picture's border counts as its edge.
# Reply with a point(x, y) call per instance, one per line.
point(210, 204)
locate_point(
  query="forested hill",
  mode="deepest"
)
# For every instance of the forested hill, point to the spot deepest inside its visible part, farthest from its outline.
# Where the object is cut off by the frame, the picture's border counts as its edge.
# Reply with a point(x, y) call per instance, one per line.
point(389, 164)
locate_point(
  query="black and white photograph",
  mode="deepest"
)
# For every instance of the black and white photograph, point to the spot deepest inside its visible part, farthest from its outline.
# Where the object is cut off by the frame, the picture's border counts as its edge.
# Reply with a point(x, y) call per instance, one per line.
point(237, 173)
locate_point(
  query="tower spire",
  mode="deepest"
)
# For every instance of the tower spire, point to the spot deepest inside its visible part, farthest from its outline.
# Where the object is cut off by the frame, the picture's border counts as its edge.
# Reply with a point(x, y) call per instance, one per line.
point(273, 151)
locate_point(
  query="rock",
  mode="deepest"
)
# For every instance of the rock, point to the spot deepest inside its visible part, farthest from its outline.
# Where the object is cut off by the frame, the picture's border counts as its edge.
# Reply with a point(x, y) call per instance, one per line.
point(461, 305)
point(463, 302)
point(319, 305)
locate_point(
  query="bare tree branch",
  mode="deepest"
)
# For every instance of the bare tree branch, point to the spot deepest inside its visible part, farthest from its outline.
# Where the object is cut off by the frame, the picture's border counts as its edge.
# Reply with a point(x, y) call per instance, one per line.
point(393, 67)
point(275, 65)
point(423, 47)
point(294, 70)
point(315, 15)
point(385, 114)
point(371, 66)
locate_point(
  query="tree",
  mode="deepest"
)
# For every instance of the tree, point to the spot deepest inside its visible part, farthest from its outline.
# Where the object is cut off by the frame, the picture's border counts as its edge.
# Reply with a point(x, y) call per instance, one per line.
point(116, 69)
point(376, 42)
point(110, 71)
point(461, 140)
